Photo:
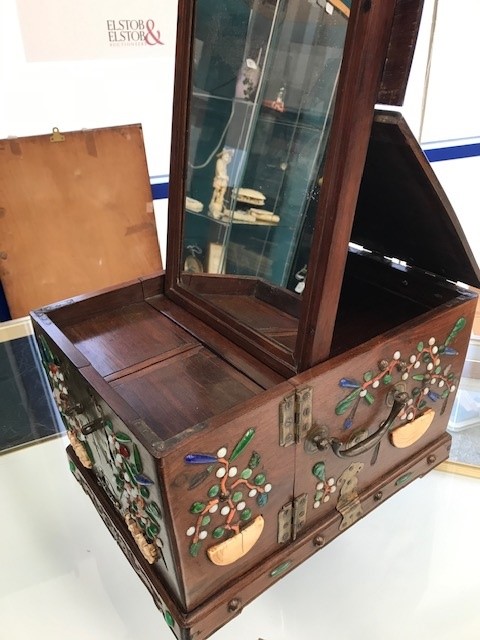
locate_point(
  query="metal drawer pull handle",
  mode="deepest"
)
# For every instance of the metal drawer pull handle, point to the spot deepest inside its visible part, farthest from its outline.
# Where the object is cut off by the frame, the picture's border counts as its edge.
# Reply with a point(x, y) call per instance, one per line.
point(95, 425)
point(399, 403)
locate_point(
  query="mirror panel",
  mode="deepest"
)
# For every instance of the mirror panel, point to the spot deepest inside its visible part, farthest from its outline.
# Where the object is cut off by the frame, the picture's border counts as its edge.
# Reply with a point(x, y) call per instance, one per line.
point(264, 79)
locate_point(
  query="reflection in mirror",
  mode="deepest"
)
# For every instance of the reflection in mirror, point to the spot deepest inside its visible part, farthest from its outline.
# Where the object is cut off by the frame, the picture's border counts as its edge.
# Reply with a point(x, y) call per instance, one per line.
point(263, 87)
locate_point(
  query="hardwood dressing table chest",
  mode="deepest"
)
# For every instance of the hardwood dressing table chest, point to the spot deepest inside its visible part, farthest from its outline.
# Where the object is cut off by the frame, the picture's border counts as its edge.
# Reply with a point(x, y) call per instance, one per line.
point(296, 363)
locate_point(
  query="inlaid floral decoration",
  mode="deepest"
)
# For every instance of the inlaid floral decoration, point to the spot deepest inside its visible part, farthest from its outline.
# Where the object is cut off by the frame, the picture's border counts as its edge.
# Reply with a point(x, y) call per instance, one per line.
point(71, 419)
point(325, 486)
point(131, 495)
point(426, 367)
point(226, 506)
point(142, 514)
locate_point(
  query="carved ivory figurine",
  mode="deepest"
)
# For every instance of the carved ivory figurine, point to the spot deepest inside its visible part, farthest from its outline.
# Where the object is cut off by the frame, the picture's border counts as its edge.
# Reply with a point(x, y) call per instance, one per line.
point(220, 182)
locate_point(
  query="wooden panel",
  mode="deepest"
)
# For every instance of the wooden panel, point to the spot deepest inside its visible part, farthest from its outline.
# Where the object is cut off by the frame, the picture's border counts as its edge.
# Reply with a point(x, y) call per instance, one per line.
point(253, 312)
point(75, 216)
point(401, 48)
point(352, 398)
point(179, 393)
point(248, 477)
point(230, 352)
point(122, 338)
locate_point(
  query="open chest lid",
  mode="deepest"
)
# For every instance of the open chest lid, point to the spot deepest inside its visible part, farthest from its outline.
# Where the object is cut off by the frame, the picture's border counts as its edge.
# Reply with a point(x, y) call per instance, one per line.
point(402, 210)
point(76, 215)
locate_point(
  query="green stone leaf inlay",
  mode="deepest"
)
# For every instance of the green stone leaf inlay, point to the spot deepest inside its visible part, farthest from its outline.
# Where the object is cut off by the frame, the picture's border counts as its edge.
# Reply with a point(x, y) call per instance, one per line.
point(122, 437)
point(144, 492)
point(319, 470)
point(368, 376)
point(206, 521)
point(254, 460)
point(459, 325)
point(274, 573)
point(169, 618)
point(246, 473)
point(426, 358)
point(450, 376)
point(153, 512)
point(155, 509)
point(423, 404)
point(237, 496)
point(438, 370)
point(218, 532)
point(241, 444)
point(445, 394)
point(109, 425)
point(194, 549)
point(419, 377)
point(72, 466)
point(260, 479)
point(387, 378)
point(137, 458)
point(246, 514)
point(153, 530)
point(420, 347)
point(197, 507)
point(403, 479)
point(345, 404)
point(214, 491)
point(131, 472)
point(369, 399)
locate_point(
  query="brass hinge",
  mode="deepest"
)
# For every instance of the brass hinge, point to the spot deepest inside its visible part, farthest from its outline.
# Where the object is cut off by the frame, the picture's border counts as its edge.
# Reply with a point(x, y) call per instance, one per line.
point(295, 417)
point(299, 514)
point(291, 518)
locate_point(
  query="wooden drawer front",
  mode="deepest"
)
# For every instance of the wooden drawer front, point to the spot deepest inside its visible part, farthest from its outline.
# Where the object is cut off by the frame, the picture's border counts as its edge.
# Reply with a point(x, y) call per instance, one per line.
point(123, 468)
point(372, 411)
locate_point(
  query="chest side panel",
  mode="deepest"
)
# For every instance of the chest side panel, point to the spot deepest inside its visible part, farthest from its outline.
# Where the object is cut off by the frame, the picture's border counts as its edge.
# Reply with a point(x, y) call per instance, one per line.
point(114, 457)
point(376, 410)
point(226, 487)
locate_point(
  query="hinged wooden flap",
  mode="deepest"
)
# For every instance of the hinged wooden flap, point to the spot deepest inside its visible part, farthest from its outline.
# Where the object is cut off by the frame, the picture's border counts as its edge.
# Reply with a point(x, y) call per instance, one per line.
point(76, 215)
point(402, 209)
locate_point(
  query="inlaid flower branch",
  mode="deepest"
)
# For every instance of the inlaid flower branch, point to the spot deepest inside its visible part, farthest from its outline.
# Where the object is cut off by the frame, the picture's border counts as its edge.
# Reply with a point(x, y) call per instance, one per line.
point(229, 496)
point(424, 366)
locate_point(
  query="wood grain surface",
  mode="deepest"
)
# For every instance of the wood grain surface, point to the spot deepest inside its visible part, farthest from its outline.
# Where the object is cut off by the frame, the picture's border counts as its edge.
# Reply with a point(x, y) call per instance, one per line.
point(75, 215)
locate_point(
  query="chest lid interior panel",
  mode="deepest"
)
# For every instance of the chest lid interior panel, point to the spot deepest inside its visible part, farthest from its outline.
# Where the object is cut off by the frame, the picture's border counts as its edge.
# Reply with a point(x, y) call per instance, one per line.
point(76, 215)
point(403, 212)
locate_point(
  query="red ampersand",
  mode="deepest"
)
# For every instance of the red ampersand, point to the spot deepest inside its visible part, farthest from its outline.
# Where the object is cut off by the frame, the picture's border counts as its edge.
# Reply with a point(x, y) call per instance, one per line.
point(152, 38)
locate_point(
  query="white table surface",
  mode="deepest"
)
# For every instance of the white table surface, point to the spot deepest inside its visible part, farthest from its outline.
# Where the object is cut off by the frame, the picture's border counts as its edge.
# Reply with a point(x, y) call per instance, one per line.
point(410, 570)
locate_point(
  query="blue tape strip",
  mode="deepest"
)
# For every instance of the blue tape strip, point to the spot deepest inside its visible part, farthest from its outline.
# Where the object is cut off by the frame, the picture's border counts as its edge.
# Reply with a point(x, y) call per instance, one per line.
point(453, 153)
point(160, 191)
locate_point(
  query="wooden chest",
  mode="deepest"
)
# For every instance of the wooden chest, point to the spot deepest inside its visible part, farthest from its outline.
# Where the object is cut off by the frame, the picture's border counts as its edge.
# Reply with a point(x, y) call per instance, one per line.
point(230, 417)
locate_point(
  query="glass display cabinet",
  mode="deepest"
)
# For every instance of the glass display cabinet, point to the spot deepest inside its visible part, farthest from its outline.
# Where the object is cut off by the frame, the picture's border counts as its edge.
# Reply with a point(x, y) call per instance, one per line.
point(296, 363)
